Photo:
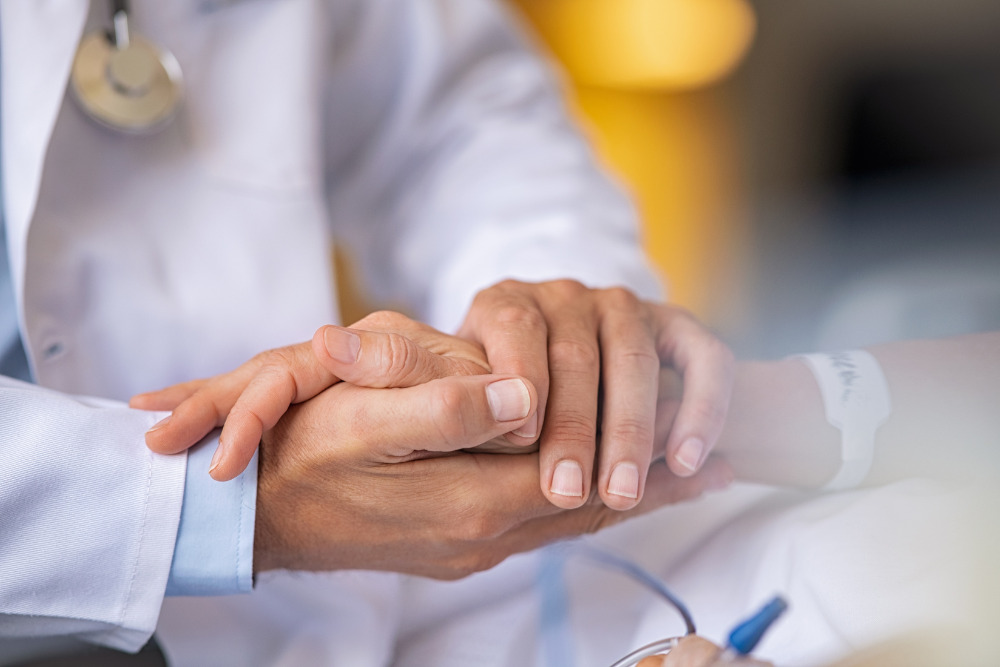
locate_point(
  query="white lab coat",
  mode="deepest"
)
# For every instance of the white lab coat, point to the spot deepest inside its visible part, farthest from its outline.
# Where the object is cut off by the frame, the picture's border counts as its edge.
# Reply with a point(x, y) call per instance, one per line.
point(424, 133)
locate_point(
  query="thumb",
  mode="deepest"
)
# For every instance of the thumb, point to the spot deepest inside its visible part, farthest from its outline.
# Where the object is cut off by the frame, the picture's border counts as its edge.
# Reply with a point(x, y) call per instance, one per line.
point(384, 359)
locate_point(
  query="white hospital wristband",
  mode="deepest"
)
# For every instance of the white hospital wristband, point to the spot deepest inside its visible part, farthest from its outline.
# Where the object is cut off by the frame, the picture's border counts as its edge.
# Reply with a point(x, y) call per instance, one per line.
point(856, 398)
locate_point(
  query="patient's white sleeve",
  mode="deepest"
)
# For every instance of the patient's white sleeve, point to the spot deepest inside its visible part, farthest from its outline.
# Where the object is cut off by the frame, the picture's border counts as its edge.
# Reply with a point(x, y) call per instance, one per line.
point(88, 518)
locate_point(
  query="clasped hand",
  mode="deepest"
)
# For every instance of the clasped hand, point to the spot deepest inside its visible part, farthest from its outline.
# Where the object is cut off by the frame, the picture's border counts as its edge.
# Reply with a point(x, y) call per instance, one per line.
point(383, 414)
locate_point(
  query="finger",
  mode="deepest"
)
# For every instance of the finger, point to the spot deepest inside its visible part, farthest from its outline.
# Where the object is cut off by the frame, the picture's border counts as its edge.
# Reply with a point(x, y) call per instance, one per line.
point(668, 402)
point(569, 438)
point(207, 408)
point(486, 496)
point(662, 488)
point(442, 415)
point(506, 489)
point(630, 377)
point(167, 398)
point(510, 325)
point(283, 377)
point(652, 661)
point(197, 415)
point(707, 368)
point(383, 359)
point(693, 651)
point(666, 413)
point(496, 501)
point(425, 336)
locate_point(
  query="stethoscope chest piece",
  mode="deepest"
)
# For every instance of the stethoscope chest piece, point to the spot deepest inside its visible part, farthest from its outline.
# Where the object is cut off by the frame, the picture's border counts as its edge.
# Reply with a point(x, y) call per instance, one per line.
point(124, 82)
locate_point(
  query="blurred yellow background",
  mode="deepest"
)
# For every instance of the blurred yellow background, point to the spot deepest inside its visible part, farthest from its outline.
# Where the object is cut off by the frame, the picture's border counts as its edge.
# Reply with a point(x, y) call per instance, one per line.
point(641, 75)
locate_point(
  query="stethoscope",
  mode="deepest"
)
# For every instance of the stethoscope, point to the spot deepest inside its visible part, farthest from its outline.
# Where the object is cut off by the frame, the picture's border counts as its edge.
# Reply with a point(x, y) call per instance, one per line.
point(123, 81)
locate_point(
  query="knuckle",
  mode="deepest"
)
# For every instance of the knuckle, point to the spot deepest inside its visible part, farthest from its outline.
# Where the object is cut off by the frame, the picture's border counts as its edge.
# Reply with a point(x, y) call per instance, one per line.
point(629, 429)
point(471, 562)
point(398, 357)
point(247, 415)
point(487, 560)
point(573, 353)
point(478, 526)
point(518, 317)
point(566, 288)
point(276, 360)
point(571, 427)
point(279, 380)
point(620, 298)
point(482, 299)
point(261, 359)
point(498, 290)
point(721, 351)
point(200, 406)
point(705, 411)
point(507, 285)
point(709, 343)
point(681, 313)
point(640, 356)
point(382, 319)
point(448, 411)
point(473, 520)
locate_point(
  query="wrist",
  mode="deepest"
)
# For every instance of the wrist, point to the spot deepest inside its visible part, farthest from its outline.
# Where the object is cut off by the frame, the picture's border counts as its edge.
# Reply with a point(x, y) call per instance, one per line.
point(299, 516)
point(265, 535)
point(777, 432)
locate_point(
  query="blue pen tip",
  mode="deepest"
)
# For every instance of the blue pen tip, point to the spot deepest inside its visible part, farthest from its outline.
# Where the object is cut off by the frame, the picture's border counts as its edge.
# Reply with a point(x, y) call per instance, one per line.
point(745, 636)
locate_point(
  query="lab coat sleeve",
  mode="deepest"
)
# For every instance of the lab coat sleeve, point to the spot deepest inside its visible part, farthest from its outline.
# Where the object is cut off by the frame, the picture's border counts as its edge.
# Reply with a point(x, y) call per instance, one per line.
point(88, 518)
point(478, 173)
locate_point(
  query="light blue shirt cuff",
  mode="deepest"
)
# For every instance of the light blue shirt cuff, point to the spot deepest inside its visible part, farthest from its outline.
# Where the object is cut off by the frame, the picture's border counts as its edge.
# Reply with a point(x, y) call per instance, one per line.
point(214, 550)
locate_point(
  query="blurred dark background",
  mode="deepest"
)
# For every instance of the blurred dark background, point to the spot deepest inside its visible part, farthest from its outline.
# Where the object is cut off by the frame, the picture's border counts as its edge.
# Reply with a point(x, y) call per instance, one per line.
point(871, 137)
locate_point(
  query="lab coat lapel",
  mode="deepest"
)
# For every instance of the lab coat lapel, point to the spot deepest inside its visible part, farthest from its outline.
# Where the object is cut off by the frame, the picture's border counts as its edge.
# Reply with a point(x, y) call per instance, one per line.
point(38, 39)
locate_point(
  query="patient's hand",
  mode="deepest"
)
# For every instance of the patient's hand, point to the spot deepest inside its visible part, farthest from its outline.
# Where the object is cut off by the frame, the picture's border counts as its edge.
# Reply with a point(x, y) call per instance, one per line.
point(383, 350)
point(695, 651)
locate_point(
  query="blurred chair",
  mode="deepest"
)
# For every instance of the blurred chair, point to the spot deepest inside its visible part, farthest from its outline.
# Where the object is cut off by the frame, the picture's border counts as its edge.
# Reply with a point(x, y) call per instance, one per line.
point(641, 75)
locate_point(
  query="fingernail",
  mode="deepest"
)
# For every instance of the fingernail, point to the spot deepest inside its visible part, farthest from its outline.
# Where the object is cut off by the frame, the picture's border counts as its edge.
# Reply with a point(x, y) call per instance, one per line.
point(509, 400)
point(529, 429)
point(567, 479)
point(160, 424)
point(689, 453)
point(719, 481)
point(342, 345)
point(624, 481)
point(217, 457)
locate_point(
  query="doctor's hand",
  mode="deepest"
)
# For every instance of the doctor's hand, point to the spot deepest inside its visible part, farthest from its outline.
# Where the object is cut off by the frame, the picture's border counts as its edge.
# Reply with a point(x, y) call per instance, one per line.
point(570, 341)
point(383, 350)
point(361, 478)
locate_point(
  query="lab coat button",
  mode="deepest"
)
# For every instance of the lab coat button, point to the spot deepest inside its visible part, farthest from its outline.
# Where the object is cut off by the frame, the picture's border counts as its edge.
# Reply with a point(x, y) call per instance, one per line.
point(53, 350)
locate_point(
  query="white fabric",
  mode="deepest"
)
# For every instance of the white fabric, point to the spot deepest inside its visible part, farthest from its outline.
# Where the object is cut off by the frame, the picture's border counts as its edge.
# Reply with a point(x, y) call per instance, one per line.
point(859, 569)
point(426, 134)
point(85, 554)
